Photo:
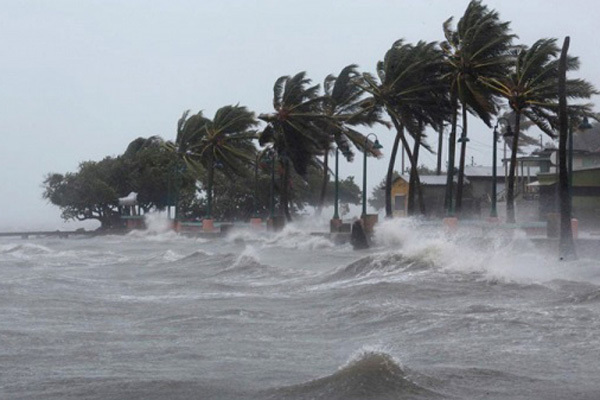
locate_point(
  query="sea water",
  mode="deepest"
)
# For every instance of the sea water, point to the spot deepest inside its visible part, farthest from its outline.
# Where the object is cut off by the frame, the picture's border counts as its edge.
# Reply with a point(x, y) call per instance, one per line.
point(421, 315)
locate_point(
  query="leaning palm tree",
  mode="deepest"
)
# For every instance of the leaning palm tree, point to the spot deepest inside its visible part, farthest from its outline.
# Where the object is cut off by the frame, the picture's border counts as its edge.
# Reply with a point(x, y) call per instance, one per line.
point(345, 108)
point(410, 89)
point(477, 48)
point(226, 141)
point(294, 130)
point(531, 91)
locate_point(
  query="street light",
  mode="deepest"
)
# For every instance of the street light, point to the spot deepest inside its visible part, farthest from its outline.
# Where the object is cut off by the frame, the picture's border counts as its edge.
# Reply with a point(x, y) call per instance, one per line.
point(255, 197)
point(376, 145)
point(463, 140)
point(346, 154)
point(271, 160)
point(494, 211)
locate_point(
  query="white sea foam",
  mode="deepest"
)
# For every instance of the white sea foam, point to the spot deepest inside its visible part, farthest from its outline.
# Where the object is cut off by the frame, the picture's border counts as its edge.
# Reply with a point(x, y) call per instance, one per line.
point(497, 254)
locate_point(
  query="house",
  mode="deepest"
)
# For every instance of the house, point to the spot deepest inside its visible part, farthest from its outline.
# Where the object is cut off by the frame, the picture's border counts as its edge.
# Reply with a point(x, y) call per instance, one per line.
point(586, 178)
point(434, 189)
point(585, 192)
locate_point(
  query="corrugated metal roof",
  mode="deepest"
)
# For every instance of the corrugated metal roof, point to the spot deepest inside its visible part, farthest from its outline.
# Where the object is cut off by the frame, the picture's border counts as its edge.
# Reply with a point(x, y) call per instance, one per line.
point(477, 171)
point(431, 180)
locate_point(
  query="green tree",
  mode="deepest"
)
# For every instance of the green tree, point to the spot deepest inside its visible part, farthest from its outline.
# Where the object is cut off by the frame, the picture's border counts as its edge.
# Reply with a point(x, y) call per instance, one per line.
point(475, 50)
point(531, 91)
point(345, 108)
point(88, 194)
point(151, 172)
point(93, 191)
point(226, 141)
point(410, 89)
point(293, 130)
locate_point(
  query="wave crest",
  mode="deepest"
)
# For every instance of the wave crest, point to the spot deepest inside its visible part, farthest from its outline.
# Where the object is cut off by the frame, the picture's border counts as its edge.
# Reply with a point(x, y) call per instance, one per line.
point(370, 375)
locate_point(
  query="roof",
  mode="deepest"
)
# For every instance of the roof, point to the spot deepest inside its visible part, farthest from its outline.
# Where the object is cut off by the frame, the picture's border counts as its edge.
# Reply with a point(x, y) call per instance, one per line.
point(430, 180)
point(476, 171)
point(587, 140)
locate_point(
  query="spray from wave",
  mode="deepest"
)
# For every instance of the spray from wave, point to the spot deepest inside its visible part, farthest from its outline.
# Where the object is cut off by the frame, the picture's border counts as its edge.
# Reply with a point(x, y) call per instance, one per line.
point(495, 255)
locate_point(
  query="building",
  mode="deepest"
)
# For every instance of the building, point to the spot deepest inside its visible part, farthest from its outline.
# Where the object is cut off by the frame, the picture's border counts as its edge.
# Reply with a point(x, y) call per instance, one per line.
point(434, 189)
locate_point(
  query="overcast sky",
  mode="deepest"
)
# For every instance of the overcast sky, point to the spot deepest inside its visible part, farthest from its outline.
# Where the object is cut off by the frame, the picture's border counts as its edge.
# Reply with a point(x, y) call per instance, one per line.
point(81, 79)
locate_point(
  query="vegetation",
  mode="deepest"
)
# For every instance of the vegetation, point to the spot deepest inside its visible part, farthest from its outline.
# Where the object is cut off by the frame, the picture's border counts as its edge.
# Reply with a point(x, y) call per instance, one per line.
point(531, 91)
point(345, 108)
point(295, 131)
point(409, 87)
point(92, 192)
point(206, 170)
point(476, 50)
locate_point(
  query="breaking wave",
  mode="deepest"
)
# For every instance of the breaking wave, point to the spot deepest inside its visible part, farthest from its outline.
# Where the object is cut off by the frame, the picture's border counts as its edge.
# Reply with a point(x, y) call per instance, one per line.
point(368, 375)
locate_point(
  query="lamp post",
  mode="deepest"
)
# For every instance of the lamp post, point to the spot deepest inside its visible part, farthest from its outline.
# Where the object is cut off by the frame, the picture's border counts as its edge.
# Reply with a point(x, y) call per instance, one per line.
point(272, 186)
point(376, 145)
point(336, 215)
point(494, 210)
point(255, 197)
point(463, 140)
point(178, 170)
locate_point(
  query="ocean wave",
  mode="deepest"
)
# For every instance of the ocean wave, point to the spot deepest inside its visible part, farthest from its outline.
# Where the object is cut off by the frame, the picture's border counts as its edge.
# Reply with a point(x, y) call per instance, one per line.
point(369, 375)
point(26, 249)
point(248, 267)
point(378, 265)
point(292, 237)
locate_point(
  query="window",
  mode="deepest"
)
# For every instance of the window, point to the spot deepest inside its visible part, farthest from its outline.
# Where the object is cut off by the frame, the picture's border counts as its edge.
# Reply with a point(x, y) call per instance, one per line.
point(399, 203)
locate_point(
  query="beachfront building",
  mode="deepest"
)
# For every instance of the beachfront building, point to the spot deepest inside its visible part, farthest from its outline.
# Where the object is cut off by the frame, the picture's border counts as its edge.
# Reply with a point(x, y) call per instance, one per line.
point(434, 187)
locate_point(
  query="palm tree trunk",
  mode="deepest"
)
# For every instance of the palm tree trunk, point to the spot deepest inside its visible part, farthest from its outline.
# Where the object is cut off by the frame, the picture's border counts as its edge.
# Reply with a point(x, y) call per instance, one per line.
point(411, 159)
point(451, 150)
point(461, 166)
point(209, 187)
point(566, 244)
point(438, 169)
point(414, 176)
point(285, 183)
point(323, 183)
point(510, 192)
point(390, 173)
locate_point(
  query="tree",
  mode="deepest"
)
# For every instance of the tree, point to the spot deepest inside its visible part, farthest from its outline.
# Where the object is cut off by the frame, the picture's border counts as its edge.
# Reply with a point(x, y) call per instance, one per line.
point(476, 49)
point(87, 194)
point(410, 88)
point(566, 245)
point(224, 141)
point(531, 91)
point(93, 191)
point(293, 130)
point(345, 107)
point(151, 172)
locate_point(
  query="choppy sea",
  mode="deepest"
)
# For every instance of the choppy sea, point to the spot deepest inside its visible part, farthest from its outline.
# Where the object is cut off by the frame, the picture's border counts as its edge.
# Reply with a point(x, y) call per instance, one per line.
point(421, 315)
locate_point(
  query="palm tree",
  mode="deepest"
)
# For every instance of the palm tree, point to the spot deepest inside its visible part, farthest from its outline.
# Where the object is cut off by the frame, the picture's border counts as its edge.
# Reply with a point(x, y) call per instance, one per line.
point(226, 141)
point(345, 107)
point(531, 91)
point(477, 48)
point(410, 88)
point(294, 130)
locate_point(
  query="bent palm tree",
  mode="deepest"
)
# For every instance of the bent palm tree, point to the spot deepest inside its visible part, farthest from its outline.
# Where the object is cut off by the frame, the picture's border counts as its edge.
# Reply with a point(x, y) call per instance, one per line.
point(294, 130)
point(225, 140)
point(476, 48)
point(411, 91)
point(345, 107)
point(531, 91)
